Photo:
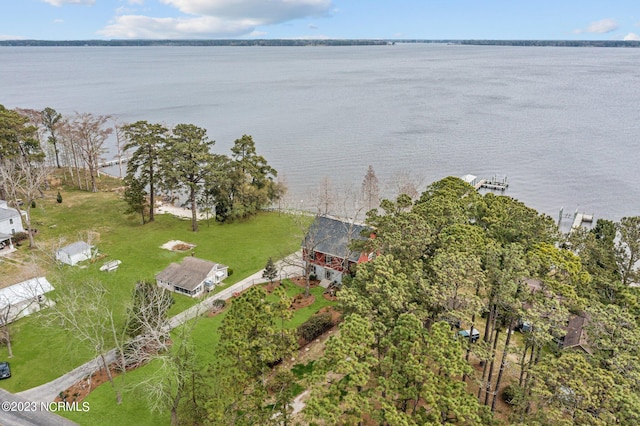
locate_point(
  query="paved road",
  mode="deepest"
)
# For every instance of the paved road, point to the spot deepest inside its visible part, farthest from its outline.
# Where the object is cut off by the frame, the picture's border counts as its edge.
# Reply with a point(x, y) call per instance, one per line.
point(48, 391)
point(18, 411)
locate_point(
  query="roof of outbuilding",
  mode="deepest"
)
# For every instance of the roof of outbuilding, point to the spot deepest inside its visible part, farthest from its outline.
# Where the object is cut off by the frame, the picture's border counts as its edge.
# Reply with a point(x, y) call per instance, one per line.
point(75, 248)
point(25, 290)
point(332, 236)
point(188, 274)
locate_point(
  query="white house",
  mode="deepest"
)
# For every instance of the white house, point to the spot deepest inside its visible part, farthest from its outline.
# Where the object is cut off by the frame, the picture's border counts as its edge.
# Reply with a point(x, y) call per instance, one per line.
point(74, 253)
point(22, 299)
point(192, 277)
point(10, 220)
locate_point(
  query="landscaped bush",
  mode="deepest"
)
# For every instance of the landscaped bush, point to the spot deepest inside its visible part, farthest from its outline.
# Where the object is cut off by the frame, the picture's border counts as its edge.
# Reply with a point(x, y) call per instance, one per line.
point(315, 326)
point(229, 272)
point(20, 236)
point(218, 305)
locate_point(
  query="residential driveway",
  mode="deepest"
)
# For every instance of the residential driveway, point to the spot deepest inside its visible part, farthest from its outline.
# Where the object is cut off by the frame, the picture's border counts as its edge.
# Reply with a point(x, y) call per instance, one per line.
point(48, 391)
point(18, 411)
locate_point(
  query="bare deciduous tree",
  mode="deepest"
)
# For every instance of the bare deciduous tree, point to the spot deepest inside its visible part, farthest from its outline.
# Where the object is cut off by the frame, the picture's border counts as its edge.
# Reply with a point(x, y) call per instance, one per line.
point(405, 182)
point(91, 136)
point(370, 189)
point(325, 197)
point(23, 179)
point(85, 312)
point(176, 369)
point(147, 324)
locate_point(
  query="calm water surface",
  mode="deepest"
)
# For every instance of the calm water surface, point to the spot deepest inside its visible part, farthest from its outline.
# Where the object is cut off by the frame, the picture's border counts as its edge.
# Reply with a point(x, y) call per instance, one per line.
point(562, 123)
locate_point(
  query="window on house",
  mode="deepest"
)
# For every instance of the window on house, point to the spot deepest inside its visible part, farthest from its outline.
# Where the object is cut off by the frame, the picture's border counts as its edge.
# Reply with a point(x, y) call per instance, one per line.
point(10, 221)
point(328, 259)
point(312, 255)
point(327, 274)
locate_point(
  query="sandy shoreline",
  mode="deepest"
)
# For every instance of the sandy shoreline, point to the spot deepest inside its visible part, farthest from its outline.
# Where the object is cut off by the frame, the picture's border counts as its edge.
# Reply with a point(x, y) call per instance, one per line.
point(179, 212)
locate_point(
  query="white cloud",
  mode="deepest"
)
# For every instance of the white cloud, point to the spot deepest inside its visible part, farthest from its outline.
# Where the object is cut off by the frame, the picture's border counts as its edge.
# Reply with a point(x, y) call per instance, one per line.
point(312, 27)
point(145, 27)
point(138, 2)
point(58, 21)
point(267, 12)
point(632, 37)
point(63, 2)
point(213, 18)
point(602, 26)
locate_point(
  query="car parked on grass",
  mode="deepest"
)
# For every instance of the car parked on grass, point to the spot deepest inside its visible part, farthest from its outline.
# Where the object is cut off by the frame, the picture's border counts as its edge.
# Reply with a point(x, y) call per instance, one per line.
point(472, 335)
point(5, 370)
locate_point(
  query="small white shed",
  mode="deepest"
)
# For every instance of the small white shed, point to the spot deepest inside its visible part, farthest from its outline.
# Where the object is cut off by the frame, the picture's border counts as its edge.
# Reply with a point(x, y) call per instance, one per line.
point(74, 253)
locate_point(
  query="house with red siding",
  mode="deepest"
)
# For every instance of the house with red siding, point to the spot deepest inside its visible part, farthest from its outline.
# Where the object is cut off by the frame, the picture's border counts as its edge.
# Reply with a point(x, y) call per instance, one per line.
point(327, 250)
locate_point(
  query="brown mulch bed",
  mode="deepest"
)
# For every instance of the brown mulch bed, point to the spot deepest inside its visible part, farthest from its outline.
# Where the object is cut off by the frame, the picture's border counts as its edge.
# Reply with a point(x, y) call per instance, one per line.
point(182, 247)
point(80, 390)
point(301, 282)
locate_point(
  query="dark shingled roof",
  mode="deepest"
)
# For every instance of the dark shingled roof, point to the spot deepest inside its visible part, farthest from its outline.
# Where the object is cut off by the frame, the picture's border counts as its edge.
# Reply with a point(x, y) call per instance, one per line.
point(188, 274)
point(332, 236)
point(576, 336)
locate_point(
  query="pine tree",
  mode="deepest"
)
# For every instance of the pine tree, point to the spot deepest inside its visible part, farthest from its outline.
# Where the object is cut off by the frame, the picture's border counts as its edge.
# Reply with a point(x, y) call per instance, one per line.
point(270, 271)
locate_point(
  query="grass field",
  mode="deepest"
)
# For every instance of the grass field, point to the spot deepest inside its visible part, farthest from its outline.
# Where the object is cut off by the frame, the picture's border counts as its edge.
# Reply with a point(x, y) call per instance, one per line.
point(44, 353)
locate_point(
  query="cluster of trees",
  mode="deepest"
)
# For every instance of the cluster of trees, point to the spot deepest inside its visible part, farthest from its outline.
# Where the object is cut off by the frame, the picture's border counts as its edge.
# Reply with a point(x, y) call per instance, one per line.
point(454, 258)
point(32, 143)
point(23, 173)
point(75, 143)
point(180, 159)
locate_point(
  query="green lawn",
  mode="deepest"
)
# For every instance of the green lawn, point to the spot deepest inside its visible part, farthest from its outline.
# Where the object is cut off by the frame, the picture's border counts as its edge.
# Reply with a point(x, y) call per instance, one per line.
point(133, 410)
point(43, 353)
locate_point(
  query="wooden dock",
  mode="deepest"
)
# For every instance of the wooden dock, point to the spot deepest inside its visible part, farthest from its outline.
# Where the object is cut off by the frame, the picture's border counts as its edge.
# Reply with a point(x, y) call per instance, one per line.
point(578, 218)
point(500, 184)
point(115, 162)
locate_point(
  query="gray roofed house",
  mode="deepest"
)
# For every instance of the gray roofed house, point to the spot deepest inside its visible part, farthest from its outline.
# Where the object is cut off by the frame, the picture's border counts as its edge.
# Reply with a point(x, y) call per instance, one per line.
point(74, 253)
point(10, 220)
point(327, 247)
point(192, 277)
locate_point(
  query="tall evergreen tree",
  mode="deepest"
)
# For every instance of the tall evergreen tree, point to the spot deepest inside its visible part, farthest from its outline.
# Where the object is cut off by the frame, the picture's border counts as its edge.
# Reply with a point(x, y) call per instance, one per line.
point(187, 162)
point(144, 167)
point(51, 120)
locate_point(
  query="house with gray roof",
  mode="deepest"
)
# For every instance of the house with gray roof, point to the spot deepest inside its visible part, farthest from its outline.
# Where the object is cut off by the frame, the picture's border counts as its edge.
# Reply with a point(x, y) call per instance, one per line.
point(327, 247)
point(10, 224)
point(74, 253)
point(192, 277)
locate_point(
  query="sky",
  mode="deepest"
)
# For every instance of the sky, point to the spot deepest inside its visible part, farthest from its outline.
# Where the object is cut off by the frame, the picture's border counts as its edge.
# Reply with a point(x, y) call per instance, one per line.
point(320, 19)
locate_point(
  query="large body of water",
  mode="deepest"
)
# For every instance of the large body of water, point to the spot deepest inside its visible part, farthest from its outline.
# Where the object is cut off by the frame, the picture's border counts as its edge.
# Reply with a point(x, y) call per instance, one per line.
point(562, 123)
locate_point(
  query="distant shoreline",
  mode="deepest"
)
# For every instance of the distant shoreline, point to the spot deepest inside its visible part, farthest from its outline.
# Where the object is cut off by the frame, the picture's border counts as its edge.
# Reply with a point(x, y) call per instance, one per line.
point(328, 42)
